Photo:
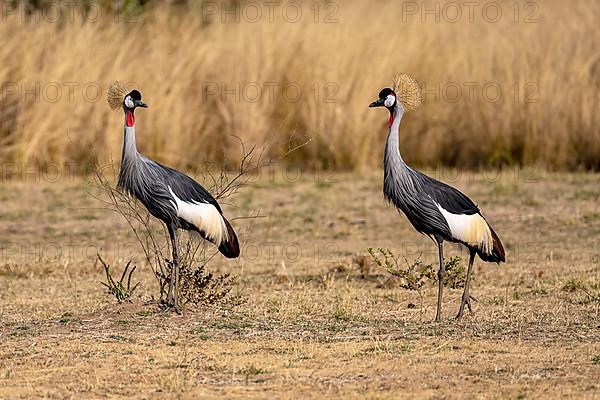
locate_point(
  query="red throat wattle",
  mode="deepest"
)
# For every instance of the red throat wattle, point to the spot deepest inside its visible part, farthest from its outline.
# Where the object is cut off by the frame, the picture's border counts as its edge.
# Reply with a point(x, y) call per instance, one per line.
point(391, 119)
point(129, 119)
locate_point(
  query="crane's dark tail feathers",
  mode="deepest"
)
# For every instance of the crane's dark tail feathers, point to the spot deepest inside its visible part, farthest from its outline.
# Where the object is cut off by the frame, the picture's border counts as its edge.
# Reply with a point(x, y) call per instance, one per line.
point(497, 255)
point(230, 248)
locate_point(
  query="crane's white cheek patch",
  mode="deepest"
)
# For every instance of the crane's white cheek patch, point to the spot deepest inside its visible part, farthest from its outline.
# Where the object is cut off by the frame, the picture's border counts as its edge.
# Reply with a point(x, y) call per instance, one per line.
point(389, 101)
point(471, 229)
point(204, 216)
point(128, 102)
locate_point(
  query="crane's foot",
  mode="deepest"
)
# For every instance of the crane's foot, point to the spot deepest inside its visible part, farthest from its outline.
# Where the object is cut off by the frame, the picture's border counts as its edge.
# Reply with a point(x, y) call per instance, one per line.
point(170, 300)
point(438, 316)
point(172, 304)
point(176, 308)
point(466, 301)
point(173, 301)
point(177, 304)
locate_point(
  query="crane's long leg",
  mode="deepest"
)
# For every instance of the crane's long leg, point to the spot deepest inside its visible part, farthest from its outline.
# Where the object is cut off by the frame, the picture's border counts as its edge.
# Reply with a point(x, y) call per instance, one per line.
point(441, 273)
point(466, 298)
point(173, 296)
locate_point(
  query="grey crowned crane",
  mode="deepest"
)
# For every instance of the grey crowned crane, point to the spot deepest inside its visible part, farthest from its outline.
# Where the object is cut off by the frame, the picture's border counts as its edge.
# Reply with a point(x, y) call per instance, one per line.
point(169, 195)
point(433, 208)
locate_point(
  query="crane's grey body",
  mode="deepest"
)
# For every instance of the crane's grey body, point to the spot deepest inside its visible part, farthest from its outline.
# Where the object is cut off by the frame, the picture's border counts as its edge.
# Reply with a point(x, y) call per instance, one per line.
point(433, 208)
point(173, 197)
point(418, 196)
point(151, 183)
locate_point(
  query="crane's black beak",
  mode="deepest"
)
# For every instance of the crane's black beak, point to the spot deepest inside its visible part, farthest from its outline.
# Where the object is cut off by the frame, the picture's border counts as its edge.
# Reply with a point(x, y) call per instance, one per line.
point(377, 103)
point(139, 103)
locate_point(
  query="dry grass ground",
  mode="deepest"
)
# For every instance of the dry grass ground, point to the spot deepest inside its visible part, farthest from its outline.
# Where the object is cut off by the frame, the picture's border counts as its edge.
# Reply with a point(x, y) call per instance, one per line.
point(313, 317)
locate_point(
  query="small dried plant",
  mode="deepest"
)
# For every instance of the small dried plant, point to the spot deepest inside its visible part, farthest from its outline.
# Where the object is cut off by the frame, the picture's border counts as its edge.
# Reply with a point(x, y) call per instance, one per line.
point(416, 274)
point(200, 287)
point(413, 277)
point(582, 292)
point(456, 273)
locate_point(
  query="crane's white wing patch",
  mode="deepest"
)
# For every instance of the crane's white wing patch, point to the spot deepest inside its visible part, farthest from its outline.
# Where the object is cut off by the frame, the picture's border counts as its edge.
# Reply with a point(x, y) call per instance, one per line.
point(204, 216)
point(471, 229)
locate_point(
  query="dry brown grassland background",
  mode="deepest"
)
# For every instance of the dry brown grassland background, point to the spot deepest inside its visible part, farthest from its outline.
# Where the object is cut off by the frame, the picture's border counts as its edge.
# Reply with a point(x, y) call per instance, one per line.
point(523, 89)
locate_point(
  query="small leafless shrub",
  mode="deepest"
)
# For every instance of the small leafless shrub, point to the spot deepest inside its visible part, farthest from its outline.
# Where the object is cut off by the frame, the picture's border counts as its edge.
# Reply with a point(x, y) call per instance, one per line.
point(201, 287)
point(413, 277)
point(582, 293)
point(456, 273)
point(416, 274)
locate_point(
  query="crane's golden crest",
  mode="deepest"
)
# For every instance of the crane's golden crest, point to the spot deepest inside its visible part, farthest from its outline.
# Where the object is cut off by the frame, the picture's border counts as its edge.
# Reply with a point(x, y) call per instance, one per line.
point(408, 91)
point(116, 91)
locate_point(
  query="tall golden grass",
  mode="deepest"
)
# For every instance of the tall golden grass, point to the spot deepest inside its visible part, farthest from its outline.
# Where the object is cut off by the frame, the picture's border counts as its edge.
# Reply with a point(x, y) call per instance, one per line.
point(548, 72)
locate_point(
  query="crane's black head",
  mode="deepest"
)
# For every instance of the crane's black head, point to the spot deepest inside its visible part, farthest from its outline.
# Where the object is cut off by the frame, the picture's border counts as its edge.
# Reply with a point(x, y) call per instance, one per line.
point(387, 99)
point(133, 100)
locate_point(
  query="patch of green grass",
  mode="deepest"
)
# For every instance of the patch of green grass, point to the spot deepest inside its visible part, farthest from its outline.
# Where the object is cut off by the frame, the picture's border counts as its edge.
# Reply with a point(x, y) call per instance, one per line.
point(497, 300)
point(274, 305)
point(341, 313)
point(66, 318)
point(234, 325)
point(308, 218)
point(529, 200)
point(245, 200)
point(121, 290)
point(502, 189)
point(517, 295)
point(596, 360)
point(22, 330)
point(341, 235)
point(336, 328)
point(386, 347)
point(88, 217)
point(585, 195)
point(538, 292)
point(323, 185)
point(582, 293)
point(251, 370)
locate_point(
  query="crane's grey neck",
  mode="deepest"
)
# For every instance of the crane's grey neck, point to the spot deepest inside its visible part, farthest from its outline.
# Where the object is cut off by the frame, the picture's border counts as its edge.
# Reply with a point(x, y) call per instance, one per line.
point(398, 182)
point(392, 156)
point(130, 173)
